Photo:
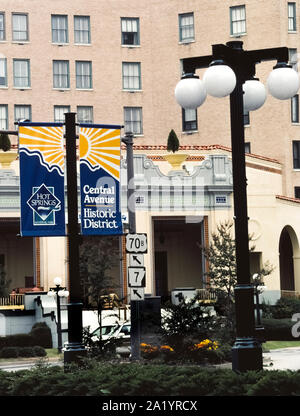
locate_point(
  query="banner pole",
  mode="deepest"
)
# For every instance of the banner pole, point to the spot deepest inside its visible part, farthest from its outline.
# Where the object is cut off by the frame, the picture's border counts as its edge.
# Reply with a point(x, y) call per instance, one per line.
point(74, 348)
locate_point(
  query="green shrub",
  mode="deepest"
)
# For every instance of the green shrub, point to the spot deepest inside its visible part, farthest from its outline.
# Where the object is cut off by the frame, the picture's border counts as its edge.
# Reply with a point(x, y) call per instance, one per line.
point(98, 379)
point(9, 352)
point(39, 351)
point(26, 352)
point(41, 335)
point(278, 329)
point(19, 340)
point(285, 308)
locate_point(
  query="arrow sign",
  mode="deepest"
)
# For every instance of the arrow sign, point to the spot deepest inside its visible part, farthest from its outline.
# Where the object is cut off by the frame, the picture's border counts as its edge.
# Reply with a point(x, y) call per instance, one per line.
point(137, 293)
point(136, 260)
point(136, 277)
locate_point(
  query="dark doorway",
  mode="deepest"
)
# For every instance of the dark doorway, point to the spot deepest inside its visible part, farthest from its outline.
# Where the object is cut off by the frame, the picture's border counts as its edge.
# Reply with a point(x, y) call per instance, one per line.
point(161, 274)
point(287, 281)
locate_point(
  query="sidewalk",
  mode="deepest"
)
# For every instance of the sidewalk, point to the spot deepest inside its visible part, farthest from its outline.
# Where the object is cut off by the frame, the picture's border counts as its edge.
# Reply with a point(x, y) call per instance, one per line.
point(282, 359)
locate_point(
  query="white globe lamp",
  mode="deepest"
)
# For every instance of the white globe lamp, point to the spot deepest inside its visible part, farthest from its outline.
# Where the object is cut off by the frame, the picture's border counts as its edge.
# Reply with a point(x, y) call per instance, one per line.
point(254, 94)
point(190, 92)
point(283, 82)
point(219, 79)
point(57, 281)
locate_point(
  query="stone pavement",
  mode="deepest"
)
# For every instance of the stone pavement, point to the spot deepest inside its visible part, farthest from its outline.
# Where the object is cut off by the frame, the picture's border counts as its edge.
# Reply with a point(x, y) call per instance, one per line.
point(282, 359)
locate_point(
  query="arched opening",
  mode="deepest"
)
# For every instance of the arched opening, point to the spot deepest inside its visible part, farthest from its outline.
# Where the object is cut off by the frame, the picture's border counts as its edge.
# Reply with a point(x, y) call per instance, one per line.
point(286, 262)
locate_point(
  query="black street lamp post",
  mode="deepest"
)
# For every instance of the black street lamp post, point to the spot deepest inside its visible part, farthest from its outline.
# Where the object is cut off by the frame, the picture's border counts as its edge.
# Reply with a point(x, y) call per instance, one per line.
point(60, 292)
point(240, 69)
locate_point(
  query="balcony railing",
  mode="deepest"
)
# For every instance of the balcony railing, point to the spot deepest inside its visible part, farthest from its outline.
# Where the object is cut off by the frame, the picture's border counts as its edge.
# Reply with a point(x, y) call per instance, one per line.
point(13, 301)
point(290, 294)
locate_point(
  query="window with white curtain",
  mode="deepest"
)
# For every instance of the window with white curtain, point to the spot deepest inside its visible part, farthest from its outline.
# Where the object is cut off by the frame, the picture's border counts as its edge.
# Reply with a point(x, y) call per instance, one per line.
point(82, 30)
point(21, 73)
point(130, 30)
point(133, 120)
point(293, 58)
point(22, 112)
point(2, 26)
point(295, 109)
point(3, 72)
point(238, 20)
point(19, 27)
point(83, 74)
point(189, 119)
point(85, 114)
point(131, 75)
point(59, 113)
point(61, 75)
point(186, 27)
point(292, 26)
point(3, 116)
point(59, 26)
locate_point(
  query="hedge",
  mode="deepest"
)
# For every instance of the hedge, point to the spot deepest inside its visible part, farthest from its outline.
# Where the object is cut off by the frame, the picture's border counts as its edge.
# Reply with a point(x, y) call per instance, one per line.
point(14, 352)
point(132, 379)
point(40, 335)
point(278, 329)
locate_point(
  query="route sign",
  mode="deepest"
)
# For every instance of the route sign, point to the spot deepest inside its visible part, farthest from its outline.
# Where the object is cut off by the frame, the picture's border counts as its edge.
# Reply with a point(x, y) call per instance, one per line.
point(136, 260)
point(136, 277)
point(136, 243)
point(137, 293)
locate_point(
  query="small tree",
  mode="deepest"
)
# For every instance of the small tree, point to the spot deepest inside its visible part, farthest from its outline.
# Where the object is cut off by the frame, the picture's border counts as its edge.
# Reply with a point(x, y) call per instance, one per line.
point(173, 142)
point(222, 270)
point(5, 143)
point(4, 282)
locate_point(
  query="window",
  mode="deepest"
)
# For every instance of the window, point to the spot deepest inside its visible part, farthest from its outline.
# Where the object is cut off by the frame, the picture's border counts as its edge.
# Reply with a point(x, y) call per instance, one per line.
point(59, 25)
point(59, 113)
point(85, 114)
point(82, 29)
point(246, 118)
point(61, 76)
point(238, 20)
point(293, 58)
point(19, 27)
point(292, 27)
point(131, 74)
point(22, 112)
point(3, 117)
point(83, 74)
point(186, 27)
point(2, 26)
point(297, 192)
point(296, 154)
point(130, 30)
point(189, 119)
point(220, 199)
point(295, 109)
point(3, 72)
point(133, 120)
point(21, 73)
point(247, 147)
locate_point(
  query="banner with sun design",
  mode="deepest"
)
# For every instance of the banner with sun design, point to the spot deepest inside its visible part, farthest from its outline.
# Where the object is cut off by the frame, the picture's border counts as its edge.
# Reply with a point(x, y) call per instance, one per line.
point(42, 159)
point(100, 156)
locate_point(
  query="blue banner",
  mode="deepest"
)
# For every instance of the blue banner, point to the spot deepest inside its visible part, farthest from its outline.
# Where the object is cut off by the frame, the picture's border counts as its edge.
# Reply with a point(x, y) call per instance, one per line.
point(42, 159)
point(100, 155)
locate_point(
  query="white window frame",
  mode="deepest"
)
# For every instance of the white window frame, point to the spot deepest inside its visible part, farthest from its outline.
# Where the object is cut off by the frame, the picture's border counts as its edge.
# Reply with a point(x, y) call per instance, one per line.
point(131, 76)
point(3, 72)
point(17, 27)
point(186, 27)
point(82, 30)
point(59, 28)
point(83, 71)
point(130, 26)
point(21, 71)
point(59, 111)
point(292, 16)
point(3, 116)
point(2, 27)
point(87, 119)
point(238, 20)
point(133, 120)
point(61, 74)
